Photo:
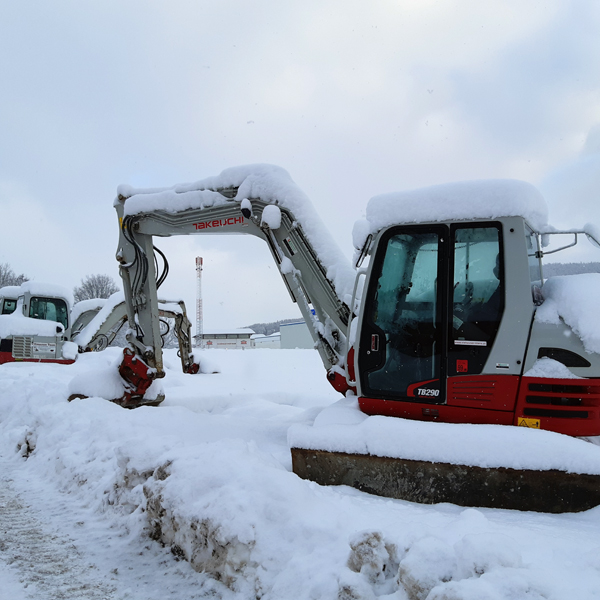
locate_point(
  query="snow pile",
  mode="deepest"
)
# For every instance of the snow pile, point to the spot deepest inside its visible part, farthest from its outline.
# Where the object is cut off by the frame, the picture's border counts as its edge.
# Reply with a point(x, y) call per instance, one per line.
point(547, 368)
point(107, 383)
point(208, 474)
point(86, 305)
point(271, 184)
point(70, 350)
point(574, 299)
point(464, 200)
point(271, 216)
point(10, 291)
point(343, 428)
point(18, 324)
point(103, 383)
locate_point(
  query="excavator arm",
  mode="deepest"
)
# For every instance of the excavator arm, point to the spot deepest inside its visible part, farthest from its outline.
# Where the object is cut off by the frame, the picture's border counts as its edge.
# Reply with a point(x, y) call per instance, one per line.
point(316, 286)
point(95, 329)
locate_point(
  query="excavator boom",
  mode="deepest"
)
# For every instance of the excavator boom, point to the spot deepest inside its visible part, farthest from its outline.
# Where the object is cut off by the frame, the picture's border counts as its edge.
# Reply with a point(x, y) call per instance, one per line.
point(319, 280)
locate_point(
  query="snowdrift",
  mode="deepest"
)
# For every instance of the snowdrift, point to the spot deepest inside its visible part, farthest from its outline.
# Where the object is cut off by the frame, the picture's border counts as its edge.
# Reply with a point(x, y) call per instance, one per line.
point(208, 475)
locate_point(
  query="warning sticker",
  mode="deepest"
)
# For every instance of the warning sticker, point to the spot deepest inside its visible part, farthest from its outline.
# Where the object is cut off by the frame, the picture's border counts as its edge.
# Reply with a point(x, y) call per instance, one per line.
point(532, 423)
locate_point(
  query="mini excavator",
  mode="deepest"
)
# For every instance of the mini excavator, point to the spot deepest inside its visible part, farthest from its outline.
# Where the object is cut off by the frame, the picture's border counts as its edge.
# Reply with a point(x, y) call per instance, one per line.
point(445, 326)
point(434, 321)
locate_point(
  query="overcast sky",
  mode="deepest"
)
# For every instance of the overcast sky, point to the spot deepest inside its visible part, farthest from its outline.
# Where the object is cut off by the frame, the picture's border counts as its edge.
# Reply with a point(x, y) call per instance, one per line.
point(353, 98)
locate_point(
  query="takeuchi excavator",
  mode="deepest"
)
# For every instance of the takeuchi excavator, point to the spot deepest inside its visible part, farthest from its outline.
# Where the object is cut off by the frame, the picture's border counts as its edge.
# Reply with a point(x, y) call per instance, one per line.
point(436, 320)
point(444, 315)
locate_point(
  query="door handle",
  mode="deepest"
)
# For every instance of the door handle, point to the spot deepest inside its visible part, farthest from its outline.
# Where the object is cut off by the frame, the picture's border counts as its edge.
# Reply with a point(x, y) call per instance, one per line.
point(374, 342)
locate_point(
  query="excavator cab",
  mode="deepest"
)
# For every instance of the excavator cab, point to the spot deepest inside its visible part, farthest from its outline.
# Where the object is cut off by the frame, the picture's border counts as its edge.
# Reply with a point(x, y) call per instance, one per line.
point(445, 328)
point(41, 335)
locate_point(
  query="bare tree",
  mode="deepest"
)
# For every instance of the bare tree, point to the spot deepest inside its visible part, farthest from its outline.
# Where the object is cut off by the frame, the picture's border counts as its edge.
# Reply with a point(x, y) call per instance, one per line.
point(9, 277)
point(95, 286)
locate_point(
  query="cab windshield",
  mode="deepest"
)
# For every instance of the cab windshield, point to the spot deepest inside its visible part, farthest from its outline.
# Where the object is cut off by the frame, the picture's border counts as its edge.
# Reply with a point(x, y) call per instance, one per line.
point(49, 309)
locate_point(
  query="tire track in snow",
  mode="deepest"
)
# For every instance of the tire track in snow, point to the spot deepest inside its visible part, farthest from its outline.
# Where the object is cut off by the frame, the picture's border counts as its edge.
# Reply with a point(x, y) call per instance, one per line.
point(61, 550)
point(48, 565)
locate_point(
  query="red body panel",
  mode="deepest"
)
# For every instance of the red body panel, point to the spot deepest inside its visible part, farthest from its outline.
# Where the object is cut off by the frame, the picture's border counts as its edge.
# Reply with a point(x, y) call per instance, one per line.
point(569, 406)
point(492, 392)
point(7, 357)
point(422, 411)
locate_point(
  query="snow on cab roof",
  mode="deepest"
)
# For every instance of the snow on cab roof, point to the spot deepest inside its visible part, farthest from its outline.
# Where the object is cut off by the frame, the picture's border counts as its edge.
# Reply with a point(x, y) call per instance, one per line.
point(462, 200)
point(51, 290)
point(271, 184)
point(10, 291)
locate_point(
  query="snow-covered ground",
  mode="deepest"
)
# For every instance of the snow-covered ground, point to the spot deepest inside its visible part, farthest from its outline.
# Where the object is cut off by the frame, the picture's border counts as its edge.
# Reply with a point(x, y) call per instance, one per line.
point(100, 502)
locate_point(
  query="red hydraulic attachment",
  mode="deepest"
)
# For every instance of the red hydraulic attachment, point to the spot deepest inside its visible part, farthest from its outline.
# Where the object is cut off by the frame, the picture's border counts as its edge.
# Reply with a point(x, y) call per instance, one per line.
point(191, 368)
point(338, 380)
point(138, 377)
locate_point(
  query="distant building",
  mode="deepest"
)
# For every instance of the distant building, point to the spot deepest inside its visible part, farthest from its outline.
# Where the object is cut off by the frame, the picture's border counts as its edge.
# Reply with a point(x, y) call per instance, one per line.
point(234, 339)
point(266, 341)
point(296, 335)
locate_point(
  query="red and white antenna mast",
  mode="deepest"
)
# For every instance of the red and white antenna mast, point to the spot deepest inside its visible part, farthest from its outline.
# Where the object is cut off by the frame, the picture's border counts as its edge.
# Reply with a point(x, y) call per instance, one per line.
point(199, 316)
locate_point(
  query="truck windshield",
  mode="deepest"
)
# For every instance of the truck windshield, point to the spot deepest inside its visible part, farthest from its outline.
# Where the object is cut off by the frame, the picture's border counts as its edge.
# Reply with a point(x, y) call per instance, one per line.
point(49, 309)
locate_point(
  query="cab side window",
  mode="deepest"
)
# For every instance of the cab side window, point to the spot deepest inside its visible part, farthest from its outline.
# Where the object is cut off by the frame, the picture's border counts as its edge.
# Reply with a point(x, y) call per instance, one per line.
point(478, 296)
point(8, 306)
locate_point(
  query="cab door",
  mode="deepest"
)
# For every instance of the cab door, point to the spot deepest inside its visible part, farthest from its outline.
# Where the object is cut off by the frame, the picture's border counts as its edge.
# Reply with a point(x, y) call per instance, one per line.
point(433, 307)
point(404, 330)
point(478, 296)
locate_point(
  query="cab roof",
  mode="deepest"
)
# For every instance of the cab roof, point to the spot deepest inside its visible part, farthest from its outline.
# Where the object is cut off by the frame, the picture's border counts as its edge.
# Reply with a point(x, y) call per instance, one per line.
point(458, 201)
